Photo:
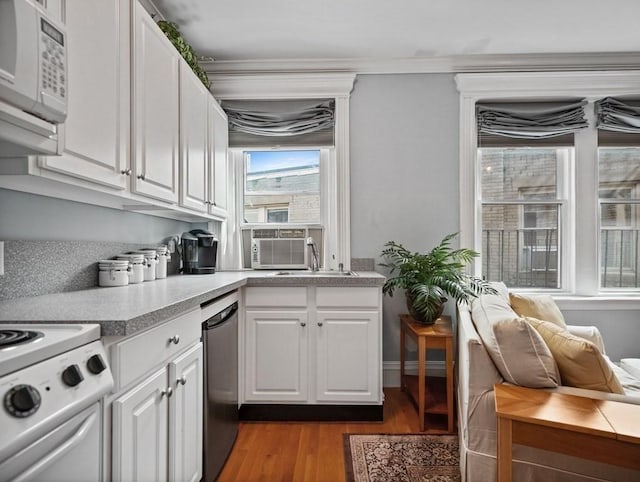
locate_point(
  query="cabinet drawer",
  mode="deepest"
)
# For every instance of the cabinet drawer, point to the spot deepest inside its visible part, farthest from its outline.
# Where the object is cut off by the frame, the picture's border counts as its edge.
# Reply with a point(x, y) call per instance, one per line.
point(262, 296)
point(340, 297)
point(135, 356)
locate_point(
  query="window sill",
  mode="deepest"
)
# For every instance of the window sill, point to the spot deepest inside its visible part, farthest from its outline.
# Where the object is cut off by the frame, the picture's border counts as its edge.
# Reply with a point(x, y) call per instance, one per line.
point(608, 302)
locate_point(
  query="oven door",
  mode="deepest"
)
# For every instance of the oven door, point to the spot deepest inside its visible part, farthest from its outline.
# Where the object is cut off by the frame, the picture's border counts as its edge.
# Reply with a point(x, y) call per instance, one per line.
point(70, 452)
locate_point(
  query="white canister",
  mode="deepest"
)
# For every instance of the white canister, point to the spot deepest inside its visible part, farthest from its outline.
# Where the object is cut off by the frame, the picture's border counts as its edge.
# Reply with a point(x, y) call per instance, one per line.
point(150, 263)
point(136, 267)
point(113, 272)
point(163, 260)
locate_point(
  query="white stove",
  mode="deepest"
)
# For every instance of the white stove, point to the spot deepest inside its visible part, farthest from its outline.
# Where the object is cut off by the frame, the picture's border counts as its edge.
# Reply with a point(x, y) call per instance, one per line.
point(52, 378)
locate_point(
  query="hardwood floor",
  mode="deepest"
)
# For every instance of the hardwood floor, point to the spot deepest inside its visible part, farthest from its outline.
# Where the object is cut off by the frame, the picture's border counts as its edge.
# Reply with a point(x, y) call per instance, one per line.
point(309, 451)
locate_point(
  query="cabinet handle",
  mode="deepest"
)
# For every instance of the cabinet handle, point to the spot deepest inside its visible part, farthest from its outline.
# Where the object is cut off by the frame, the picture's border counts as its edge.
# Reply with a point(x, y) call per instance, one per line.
point(174, 339)
point(168, 392)
point(141, 177)
point(182, 380)
point(319, 323)
point(126, 172)
point(303, 324)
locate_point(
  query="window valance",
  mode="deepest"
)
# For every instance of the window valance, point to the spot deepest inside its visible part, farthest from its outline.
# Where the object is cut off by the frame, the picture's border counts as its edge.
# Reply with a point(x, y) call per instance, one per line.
point(282, 122)
point(530, 120)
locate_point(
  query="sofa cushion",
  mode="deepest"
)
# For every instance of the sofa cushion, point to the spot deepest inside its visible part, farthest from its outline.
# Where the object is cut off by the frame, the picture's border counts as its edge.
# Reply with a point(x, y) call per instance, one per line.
point(580, 362)
point(627, 376)
point(517, 350)
point(632, 366)
point(501, 290)
point(541, 307)
point(590, 333)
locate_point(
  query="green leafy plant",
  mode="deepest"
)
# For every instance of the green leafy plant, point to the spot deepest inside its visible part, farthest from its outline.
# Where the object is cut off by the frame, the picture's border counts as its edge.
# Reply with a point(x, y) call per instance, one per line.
point(429, 278)
point(170, 29)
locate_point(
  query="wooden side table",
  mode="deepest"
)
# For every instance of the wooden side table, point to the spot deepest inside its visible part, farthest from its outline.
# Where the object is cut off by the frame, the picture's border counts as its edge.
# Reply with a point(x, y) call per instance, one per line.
point(599, 430)
point(436, 336)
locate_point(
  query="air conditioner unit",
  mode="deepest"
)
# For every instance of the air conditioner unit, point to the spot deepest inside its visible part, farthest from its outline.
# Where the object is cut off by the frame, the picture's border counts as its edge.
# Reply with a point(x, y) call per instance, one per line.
point(278, 248)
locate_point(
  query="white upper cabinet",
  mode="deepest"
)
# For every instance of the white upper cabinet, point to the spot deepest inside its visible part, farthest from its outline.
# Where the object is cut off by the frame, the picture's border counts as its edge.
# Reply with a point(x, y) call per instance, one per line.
point(218, 128)
point(155, 110)
point(194, 140)
point(142, 132)
point(95, 134)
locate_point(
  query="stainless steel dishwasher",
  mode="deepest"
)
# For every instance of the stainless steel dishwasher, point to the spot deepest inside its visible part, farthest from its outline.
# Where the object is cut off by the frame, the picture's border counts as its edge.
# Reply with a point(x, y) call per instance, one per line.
point(220, 335)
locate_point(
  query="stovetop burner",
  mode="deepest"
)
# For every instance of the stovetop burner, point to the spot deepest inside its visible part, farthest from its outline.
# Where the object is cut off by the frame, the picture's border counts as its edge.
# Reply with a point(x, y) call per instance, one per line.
point(17, 337)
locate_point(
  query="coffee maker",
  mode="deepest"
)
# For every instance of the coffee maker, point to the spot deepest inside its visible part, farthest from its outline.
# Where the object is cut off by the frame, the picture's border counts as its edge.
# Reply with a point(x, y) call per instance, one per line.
point(199, 252)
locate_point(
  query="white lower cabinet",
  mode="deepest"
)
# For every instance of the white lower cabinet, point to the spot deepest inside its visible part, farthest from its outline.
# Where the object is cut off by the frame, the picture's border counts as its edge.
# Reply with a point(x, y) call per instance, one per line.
point(276, 355)
point(157, 426)
point(157, 413)
point(140, 431)
point(347, 356)
point(185, 416)
point(328, 352)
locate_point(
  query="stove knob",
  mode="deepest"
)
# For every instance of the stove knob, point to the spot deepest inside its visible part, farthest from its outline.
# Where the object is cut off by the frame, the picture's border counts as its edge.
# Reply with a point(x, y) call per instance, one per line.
point(22, 401)
point(72, 375)
point(96, 364)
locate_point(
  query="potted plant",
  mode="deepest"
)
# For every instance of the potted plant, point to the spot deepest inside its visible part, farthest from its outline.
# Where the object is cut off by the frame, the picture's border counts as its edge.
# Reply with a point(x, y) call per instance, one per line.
point(429, 278)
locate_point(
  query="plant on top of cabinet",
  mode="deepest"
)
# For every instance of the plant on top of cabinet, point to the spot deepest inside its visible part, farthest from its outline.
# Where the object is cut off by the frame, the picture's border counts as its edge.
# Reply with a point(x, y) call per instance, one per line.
point(170, 29)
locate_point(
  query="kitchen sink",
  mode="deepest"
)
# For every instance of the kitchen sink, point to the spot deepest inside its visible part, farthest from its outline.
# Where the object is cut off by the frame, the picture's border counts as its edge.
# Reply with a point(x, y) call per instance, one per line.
point(316, 273)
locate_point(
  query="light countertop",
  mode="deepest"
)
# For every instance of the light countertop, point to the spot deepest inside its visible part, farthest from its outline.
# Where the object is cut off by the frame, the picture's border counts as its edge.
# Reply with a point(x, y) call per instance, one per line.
point(124, 310)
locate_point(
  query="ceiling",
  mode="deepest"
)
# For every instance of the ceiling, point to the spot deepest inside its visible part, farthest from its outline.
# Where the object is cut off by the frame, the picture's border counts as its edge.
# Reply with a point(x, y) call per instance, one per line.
point(375, 30)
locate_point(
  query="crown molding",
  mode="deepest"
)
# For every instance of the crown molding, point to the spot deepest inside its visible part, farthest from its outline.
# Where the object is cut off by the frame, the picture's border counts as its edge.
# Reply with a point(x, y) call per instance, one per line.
point(581, 83)
point(282, 85)
point(446, 64)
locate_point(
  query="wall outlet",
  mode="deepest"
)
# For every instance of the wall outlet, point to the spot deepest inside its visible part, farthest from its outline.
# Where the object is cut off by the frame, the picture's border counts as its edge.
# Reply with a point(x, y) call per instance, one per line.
point(1, 258)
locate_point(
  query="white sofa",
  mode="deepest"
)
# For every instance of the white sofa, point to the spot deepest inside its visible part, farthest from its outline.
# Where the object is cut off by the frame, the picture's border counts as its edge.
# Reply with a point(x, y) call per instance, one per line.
point(476, 376)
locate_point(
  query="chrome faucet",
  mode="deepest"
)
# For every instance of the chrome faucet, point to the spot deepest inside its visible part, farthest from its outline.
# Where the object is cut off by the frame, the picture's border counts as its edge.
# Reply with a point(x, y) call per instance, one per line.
point(315, 264)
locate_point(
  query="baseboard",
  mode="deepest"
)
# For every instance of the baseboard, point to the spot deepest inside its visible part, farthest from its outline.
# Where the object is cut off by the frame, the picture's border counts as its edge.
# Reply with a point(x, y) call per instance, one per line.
point(305, 413)
point(391, 371)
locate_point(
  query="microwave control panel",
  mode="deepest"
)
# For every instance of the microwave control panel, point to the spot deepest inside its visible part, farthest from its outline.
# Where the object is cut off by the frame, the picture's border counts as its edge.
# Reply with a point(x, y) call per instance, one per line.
point(53, 60)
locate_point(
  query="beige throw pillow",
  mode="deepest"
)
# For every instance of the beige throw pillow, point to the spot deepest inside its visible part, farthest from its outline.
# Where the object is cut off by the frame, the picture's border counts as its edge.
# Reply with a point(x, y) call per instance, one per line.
point(541, 307)
point(517, 350)
point(580, 362)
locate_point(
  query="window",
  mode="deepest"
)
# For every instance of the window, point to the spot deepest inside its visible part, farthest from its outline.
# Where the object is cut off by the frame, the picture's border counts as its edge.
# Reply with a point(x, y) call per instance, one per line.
point(619, 195)
point(282, 186)
point(561, 215)
point(334, 179)
point(521, 201)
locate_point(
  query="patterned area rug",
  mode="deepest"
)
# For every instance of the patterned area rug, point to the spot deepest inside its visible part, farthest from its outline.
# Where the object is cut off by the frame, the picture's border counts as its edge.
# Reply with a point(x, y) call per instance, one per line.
point(407, 458)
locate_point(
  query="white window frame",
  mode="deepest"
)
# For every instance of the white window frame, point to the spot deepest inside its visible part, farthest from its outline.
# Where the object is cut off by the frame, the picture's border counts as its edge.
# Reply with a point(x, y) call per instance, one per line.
point(338, 86)
point(579, 279)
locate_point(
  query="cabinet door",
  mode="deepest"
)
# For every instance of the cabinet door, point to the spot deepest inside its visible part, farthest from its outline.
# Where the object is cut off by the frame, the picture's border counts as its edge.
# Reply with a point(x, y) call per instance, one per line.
point(220, 131)
point(155, 109)
point(348, 356)
point(193, 140)
point(276, 351)
point(185, 416)
point(140, 431)
point(95, 134)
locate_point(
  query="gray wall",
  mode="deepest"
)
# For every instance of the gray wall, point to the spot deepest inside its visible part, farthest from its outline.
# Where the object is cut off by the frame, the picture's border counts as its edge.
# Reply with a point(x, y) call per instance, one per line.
point(404, 187)
point(404, 171)
point(32, 217)
point(52, 245)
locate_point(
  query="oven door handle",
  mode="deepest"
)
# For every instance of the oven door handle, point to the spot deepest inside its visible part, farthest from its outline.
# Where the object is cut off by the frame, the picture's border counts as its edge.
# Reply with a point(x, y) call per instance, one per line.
point(72, 442)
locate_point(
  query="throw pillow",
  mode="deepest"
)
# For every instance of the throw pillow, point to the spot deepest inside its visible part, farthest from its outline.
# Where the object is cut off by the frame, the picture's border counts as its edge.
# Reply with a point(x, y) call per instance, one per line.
point(580, 362)
point(541, 307)
point(517, 350)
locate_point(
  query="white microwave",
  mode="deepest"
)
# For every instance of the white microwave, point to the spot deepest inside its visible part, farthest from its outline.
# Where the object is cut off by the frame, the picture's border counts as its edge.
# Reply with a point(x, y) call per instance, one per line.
point(33, 60)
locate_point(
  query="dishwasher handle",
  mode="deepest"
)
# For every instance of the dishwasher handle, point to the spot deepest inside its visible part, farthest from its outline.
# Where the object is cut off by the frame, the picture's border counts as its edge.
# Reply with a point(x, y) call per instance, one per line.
point(221, 317)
